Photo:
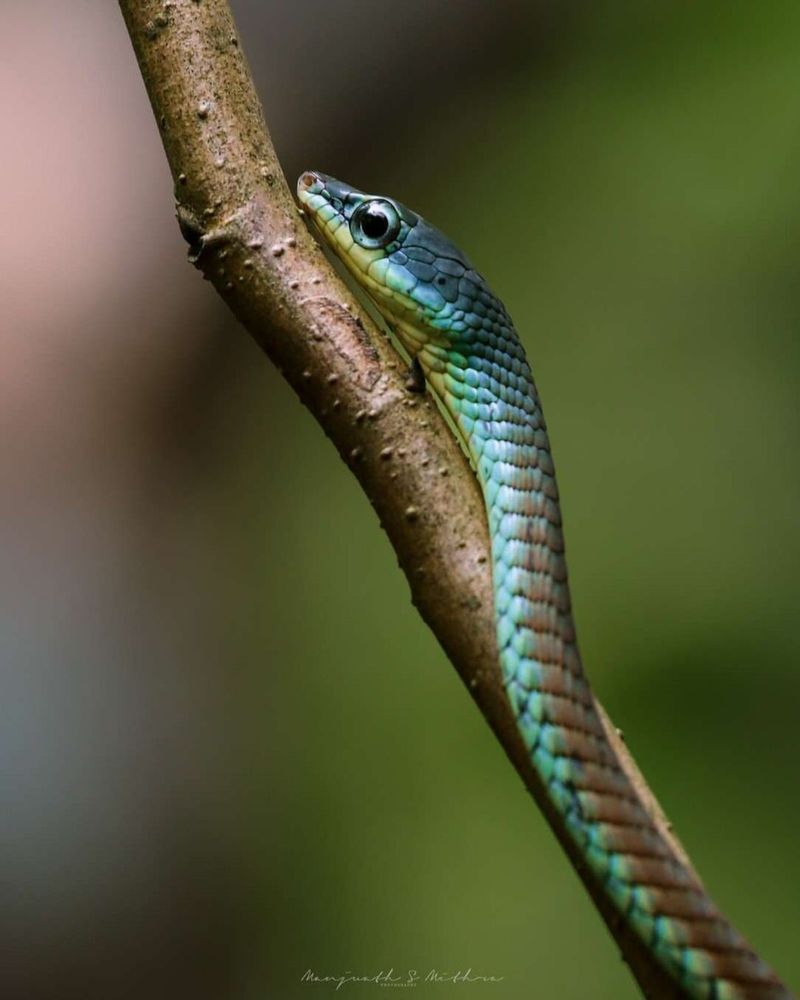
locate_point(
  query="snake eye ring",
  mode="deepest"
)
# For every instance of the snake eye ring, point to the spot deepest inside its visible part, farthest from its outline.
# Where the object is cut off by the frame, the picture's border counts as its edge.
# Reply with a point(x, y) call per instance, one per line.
point(375, 224)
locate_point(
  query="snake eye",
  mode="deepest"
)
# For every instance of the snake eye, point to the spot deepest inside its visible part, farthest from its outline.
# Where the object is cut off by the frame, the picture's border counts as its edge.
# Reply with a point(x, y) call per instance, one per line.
point(375, 224)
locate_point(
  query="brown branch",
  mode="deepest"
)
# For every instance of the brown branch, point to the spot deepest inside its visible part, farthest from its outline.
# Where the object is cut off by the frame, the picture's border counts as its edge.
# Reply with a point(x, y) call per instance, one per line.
point(246, 236)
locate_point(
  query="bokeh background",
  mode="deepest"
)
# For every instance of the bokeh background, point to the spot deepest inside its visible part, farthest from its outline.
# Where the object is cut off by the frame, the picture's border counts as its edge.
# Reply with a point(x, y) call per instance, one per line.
point(230, 750)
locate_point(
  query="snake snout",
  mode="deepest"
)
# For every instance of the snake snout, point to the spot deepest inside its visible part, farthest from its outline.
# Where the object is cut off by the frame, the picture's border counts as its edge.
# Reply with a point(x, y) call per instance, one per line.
point(309, 182)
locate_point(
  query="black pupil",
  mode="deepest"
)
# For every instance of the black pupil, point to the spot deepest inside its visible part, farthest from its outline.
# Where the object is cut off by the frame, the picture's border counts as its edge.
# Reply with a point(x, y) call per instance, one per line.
point(374, 223)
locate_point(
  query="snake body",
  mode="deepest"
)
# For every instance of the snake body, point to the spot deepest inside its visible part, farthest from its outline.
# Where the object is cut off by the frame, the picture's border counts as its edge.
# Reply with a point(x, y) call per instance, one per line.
point(461, 337)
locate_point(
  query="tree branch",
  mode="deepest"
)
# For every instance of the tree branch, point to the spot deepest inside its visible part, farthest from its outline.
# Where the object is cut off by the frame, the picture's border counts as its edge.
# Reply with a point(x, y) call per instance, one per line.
point(246, 236)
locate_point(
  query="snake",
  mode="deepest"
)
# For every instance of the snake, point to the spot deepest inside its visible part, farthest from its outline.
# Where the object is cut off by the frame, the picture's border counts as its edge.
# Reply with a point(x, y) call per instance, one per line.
point(463, 345)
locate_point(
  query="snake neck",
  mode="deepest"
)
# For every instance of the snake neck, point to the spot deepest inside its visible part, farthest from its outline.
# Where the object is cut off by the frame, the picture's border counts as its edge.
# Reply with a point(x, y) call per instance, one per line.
point(488, 390)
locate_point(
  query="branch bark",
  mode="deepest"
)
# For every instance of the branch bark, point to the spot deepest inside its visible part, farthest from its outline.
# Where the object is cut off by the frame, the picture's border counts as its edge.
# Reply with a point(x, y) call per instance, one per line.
point(246, 235)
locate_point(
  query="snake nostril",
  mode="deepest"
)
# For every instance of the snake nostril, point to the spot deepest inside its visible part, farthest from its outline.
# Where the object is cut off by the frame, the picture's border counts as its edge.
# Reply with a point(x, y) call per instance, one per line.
point(307, 179)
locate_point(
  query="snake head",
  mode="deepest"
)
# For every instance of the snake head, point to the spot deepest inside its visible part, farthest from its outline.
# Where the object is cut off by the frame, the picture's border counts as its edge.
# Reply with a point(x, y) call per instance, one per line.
point(415, 276)
point(364, 231)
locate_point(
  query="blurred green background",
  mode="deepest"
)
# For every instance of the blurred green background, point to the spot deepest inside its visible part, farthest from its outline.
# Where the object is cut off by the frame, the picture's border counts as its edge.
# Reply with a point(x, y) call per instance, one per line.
point(233, 752)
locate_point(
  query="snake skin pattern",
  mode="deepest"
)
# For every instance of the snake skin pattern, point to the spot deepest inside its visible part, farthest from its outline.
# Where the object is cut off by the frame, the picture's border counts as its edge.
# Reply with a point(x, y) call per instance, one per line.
point(447, 318)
